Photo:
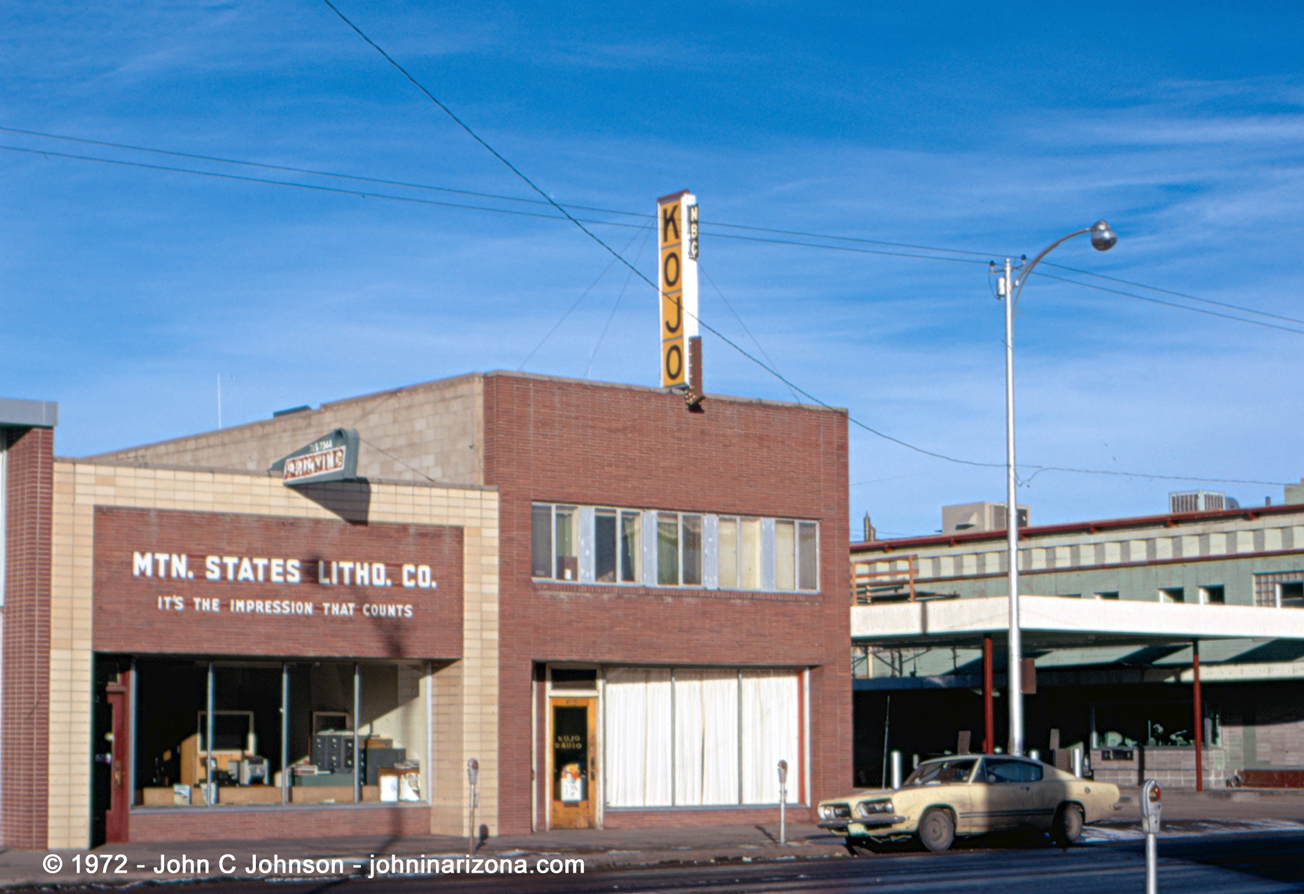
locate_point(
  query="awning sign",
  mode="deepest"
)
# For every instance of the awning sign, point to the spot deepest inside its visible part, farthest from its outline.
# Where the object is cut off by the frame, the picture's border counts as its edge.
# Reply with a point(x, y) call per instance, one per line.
point(677, 224)
point(332, 457)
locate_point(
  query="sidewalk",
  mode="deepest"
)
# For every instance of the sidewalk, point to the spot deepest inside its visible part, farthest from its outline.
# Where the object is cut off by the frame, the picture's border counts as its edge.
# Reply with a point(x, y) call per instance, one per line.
point(1226, 810)
point(597, 848)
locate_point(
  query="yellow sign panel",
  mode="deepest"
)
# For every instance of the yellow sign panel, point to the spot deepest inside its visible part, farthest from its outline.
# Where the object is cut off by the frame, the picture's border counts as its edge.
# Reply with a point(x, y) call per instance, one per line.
point(678, 284)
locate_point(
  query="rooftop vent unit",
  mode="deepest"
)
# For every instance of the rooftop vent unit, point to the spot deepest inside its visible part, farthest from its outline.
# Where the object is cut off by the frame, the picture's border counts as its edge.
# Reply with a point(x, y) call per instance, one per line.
point(974, 517)
point(1200, 501)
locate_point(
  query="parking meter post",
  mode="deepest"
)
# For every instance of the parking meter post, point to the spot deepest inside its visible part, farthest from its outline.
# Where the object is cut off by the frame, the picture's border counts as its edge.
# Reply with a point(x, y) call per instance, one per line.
point(1150, 811)
point(1077, 761)
point(472, 773)
point(783, 802)
point(896, 770)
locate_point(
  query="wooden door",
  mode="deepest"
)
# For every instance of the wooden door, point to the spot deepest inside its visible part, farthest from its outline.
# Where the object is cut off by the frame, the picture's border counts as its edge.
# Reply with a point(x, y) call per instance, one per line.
point(573, 762)
point(115, 818)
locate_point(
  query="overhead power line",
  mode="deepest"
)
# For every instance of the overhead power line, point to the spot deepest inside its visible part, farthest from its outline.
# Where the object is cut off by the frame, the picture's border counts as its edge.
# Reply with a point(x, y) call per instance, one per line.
point(1138, 285)
point(616, 255)
point(1197, 310)
point(634, 270)
point(710, 227)
point(312, 172)
point(768, 368)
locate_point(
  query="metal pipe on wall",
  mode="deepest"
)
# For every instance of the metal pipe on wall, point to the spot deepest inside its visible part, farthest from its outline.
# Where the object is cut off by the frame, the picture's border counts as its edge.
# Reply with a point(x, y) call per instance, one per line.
point(989, 710)
point(1199, 717)
point(210, 784)
point(131, 735)
point(285, 733)
point(357, 722)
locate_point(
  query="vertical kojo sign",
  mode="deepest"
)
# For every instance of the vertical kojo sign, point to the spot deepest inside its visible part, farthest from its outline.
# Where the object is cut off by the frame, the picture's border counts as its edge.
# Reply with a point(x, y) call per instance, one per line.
point(677, 223)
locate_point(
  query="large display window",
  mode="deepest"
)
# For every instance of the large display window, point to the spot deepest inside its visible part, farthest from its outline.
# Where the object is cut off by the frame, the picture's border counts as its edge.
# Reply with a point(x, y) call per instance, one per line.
point(210, 733)
point(700, 737)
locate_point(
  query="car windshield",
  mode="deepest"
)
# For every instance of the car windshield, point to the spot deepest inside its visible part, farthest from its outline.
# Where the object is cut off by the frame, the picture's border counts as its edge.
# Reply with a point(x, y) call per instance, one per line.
point(938, 772)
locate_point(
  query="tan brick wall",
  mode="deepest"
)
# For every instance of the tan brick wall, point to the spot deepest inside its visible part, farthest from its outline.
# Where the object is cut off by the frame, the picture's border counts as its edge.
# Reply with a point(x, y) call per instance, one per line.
point(424, 433)
point(469, 705)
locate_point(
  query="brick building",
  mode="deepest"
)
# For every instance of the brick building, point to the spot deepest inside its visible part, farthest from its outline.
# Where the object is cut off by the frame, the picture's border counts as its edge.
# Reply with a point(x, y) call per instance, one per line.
point(638, 607)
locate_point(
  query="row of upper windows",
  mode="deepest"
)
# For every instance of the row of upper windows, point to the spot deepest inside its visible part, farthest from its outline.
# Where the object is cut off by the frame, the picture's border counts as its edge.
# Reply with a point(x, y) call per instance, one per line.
point(590, 544)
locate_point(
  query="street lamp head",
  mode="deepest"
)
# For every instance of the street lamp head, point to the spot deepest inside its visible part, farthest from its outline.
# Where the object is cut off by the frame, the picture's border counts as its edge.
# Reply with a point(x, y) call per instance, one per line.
point(1102, 237)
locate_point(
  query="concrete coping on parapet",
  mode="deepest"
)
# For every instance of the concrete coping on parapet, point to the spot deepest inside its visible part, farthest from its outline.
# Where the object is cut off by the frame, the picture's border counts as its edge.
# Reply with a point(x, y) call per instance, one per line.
point(18, 413)
point(246, 473)
point(649, 389)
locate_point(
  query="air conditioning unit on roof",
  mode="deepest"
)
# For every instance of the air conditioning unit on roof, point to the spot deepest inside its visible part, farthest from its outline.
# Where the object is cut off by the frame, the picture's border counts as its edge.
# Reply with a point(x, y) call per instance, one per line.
point(1200, 501)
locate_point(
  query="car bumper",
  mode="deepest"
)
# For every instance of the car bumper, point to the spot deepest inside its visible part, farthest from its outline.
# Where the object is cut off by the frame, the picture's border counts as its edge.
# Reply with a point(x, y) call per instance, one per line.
point(864, 826)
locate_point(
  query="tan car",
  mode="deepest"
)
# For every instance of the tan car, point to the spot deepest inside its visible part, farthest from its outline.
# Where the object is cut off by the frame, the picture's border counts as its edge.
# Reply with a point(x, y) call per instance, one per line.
point(972, 795)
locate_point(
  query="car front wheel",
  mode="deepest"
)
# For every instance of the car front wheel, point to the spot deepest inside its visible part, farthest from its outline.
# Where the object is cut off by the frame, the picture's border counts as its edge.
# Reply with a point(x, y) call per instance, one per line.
point(1067, 828)
point(936, 830)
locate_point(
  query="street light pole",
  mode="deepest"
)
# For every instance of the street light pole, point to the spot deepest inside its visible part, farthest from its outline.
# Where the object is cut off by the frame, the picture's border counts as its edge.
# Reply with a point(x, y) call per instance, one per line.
point(1014, 664)
point(1102, 239)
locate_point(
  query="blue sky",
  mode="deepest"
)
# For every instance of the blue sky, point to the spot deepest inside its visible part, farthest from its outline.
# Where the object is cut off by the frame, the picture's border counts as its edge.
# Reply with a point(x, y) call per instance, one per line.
point(128, 291)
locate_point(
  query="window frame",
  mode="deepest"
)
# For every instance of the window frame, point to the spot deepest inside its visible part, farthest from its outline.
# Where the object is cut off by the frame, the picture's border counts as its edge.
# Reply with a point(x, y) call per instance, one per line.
point(699, 555)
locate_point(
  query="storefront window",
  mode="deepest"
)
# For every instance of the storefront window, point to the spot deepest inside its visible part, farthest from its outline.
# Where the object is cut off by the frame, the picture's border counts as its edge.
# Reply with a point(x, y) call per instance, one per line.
point(699, 737)
point(258, 733)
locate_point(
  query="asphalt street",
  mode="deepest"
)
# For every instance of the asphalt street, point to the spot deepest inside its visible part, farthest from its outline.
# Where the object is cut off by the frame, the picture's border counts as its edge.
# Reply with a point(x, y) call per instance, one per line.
point(1256, 863)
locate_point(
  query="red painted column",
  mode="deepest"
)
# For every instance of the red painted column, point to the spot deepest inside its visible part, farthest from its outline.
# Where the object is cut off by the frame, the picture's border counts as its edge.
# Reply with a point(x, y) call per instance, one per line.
point(989, 716)
point(1199, 718)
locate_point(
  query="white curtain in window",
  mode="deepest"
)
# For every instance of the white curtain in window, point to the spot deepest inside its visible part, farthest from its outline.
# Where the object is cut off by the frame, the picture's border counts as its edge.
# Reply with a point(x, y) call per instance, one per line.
point(771, 732)
point(706, 737)
point(637, 737)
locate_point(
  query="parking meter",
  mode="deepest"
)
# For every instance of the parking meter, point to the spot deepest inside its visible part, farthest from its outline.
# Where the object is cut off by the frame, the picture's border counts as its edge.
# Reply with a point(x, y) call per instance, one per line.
point(783, 801)
point(472, 773)
point(1150, 807)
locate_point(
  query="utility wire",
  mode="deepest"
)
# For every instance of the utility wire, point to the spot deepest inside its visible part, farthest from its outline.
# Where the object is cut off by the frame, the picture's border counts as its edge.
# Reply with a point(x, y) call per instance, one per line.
point(707, 225)
point(1138, 285)
point(764, 353)
point(789, 384)
point(1197, 310)
point(410, 185)
point(615, 307)
point(636, 272)
point(283, 168)
point(312, 187)
point(492, 151)
point(571, 309)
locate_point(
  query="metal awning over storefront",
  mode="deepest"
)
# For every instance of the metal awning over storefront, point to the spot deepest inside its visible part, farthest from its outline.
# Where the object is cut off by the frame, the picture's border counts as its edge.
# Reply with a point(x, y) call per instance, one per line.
point(1060, 622)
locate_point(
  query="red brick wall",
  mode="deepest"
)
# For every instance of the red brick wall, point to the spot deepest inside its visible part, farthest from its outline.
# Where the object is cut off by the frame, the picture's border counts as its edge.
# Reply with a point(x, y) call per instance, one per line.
point(24, 767)
point(550, 440)
point(272, 824)
point(128, 617)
